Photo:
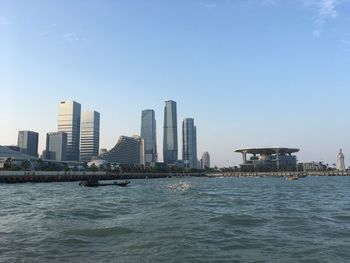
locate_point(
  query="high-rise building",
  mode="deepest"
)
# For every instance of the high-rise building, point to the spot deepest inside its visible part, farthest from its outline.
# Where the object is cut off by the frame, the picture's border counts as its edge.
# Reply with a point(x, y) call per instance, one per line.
point(56, 146)
point(170, 150)
point(69, 122)
point(340, 161)
point(128, 150)
point(142, 148)
point(148, 134)
point(205, 161)
point(189, 143)
point(89, 135)
point(28, 142)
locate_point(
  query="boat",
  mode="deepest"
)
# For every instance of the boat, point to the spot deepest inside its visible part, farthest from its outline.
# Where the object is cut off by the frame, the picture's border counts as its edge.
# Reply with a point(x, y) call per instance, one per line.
point(92, 182)
point(292, 177)
point(124, 183)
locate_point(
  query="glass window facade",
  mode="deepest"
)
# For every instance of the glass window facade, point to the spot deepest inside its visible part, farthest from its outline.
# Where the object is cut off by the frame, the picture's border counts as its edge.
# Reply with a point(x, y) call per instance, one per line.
point(89, 135)
point(170, 145)
point(189, 143)
point(69, 122)
point(28, 142)
point(148, 134)
point(56, 146)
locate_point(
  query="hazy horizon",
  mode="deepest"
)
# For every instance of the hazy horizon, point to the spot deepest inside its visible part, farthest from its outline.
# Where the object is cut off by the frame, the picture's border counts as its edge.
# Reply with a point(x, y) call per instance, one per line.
point(250, 73)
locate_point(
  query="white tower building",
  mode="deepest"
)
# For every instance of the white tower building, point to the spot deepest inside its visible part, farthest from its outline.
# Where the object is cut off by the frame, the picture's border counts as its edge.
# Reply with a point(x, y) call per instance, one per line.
point(340, 161)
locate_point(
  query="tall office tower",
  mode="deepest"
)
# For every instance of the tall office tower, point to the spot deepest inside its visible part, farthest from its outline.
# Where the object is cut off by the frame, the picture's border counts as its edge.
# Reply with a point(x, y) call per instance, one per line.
point(69, 122)
point(189, 143)
point(340, 161)
point(89, 135)
point(28, 142)
point(142, 148)
point(148, 134)
point(56, 146)
point(170, 150)
point(205, 161)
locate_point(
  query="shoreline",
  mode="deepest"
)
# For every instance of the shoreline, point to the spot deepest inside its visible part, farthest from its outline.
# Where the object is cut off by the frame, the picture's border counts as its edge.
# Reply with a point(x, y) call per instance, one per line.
point(11, 177)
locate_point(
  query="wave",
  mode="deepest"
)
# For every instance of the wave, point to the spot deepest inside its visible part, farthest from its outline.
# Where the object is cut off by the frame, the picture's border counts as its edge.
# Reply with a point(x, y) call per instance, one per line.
point(100, 232)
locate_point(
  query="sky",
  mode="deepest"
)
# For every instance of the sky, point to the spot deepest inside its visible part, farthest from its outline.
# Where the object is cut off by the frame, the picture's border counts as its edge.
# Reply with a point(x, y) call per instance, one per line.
point(250, 72)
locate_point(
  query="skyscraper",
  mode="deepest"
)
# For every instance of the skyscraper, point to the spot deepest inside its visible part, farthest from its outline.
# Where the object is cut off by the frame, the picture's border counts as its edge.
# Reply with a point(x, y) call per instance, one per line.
point(205, 161)
point(69, 122)
point(28, 142)
point(89, 135)
point(189, 143)
point(56, 146)
point(170, 150)
point(148, 134)
point(340, 161)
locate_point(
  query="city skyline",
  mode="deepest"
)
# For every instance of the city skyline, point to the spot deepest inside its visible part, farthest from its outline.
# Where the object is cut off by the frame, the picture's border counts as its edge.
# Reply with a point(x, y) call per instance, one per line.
point(251, 73)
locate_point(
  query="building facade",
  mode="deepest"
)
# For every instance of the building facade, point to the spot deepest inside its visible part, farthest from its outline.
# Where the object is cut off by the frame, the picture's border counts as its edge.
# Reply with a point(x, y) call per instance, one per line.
point(340, 161)
point(28, 142)
point(89, 135)
point(312, 166)
point(170, 144)
point(128, 150)
point(189, 143)
point(268, 159)
point(69, 122)
point(205, 161)
point(148, 134)
point(56, 146)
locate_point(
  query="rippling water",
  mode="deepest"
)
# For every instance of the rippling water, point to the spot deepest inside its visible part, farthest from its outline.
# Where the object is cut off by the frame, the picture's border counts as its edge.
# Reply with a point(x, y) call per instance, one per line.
point(178, 220)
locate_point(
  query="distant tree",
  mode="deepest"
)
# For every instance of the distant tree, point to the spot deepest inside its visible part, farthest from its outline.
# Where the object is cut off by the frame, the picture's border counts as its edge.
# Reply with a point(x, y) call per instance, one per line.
point(39, 164)
point(116, 169)
point(108, 167)
point(66, 167)
point(8, 164)
point(94, 167)
point(25, 164)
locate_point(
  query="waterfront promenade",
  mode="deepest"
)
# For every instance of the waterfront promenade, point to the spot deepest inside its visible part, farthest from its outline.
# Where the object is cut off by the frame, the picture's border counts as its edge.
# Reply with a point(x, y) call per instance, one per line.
point(45, 176)
point(279, 174)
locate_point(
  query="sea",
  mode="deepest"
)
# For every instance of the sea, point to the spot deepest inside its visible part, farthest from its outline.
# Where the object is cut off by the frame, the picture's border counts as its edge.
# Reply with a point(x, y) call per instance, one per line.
point(178, 220)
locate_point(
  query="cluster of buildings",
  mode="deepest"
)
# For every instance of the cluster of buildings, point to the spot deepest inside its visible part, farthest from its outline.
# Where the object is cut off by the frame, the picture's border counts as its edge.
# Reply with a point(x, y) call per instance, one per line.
point(77, 140)
point(142, 149)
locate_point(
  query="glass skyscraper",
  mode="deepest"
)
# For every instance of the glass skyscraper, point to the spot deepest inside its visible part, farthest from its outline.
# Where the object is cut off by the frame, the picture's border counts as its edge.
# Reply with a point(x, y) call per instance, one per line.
point(89, 135)
point(69, 122)
point(189, 143)
point(28, 142)
point(56, 146)
point(170, 150)
point(148, 134)
point(205, 161)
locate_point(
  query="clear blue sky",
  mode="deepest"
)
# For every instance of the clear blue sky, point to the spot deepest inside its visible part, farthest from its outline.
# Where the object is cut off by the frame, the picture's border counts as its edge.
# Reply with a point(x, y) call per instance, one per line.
point(251, 73)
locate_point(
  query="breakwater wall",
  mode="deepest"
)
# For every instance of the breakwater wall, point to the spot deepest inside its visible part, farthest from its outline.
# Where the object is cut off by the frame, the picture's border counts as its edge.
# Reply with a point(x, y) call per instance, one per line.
point(43, 176)
point(279, 174)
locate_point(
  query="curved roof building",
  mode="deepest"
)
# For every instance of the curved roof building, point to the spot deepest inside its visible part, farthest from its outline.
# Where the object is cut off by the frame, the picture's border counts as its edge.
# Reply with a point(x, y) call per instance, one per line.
point(126, 151)
point(269, 159)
